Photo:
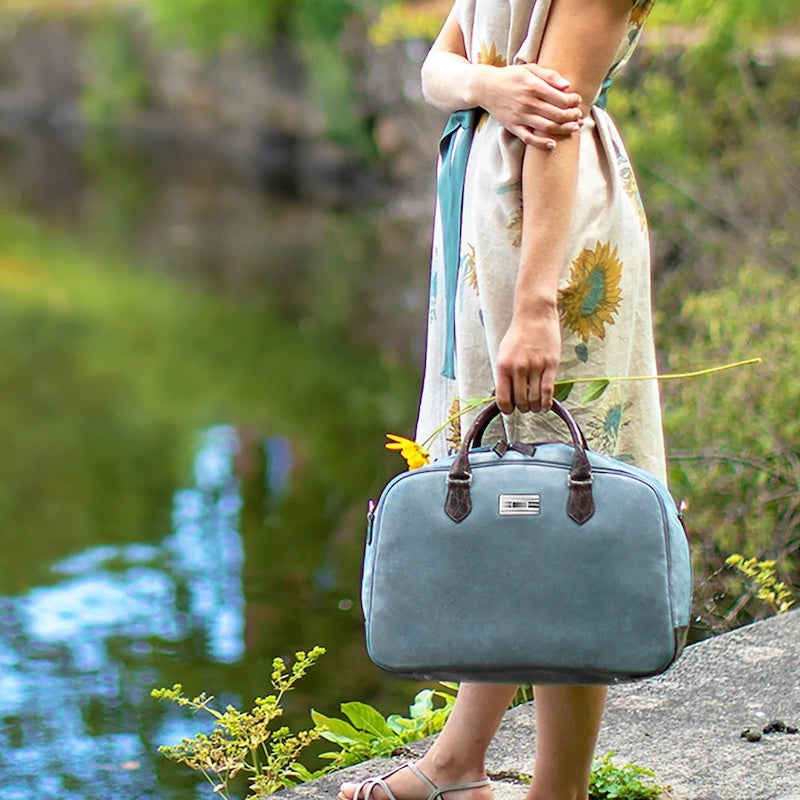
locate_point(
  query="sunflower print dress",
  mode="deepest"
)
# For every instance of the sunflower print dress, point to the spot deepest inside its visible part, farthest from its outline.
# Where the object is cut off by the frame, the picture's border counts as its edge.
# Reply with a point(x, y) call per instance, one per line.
point(604, 295)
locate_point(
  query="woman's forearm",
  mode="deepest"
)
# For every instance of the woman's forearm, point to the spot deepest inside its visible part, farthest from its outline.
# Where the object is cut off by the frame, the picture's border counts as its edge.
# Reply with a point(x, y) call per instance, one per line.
point(581, 38)
point(549, 186)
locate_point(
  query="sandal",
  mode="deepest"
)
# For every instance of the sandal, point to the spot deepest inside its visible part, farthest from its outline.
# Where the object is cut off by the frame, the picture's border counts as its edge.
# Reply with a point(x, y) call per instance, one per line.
point(436, 792)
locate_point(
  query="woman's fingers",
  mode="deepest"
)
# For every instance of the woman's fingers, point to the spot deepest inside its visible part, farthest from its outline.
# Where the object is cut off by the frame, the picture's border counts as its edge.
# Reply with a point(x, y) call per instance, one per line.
point(548, 126)
point(503, 393)
point(525, 389)
point(551, 76)
point(552, 87)
point(532, 137)
point(521, 401)
point(547, 389)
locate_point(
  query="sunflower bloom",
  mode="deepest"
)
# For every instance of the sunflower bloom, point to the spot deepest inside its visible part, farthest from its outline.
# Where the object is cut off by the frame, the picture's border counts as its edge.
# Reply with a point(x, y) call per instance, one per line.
point(590, 300)
point(415, 455)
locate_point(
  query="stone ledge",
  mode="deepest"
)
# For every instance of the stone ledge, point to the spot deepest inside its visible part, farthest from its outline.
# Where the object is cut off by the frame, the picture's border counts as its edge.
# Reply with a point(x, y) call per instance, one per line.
point(684, 725)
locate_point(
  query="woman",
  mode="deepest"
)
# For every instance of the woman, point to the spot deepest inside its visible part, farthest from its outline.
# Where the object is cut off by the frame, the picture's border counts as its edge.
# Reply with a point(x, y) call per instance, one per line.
point(553, 279)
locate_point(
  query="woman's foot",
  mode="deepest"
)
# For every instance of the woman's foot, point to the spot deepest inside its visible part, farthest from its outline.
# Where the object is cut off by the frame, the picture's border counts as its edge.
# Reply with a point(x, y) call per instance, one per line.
point(420, 781)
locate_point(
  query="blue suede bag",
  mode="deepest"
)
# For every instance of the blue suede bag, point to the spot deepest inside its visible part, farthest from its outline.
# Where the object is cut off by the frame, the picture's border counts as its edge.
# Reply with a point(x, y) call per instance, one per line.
point(543, 563)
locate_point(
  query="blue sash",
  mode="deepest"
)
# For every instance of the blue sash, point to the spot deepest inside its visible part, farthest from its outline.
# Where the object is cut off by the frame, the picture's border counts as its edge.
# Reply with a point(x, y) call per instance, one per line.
point(454, 149)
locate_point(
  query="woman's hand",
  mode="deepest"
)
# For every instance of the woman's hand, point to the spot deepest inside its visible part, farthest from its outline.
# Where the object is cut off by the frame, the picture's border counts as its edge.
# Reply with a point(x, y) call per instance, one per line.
point(527, 361)
point(531, 102)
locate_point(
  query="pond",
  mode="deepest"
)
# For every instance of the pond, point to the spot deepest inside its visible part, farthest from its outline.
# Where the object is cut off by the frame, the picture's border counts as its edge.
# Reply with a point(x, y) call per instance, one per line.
point(196, 381)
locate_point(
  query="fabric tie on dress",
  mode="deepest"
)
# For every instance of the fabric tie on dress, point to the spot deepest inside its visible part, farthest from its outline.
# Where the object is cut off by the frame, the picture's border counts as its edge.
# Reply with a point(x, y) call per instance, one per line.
point(454, 147)
point(602, 98)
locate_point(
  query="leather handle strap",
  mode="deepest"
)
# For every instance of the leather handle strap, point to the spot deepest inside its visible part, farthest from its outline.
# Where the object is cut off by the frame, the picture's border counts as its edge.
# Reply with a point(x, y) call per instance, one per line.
point(484, 420)
point(580, 501)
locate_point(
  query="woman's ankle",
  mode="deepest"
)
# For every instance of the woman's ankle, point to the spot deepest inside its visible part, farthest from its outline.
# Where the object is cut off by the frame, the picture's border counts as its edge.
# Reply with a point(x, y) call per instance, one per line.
point(452, 766)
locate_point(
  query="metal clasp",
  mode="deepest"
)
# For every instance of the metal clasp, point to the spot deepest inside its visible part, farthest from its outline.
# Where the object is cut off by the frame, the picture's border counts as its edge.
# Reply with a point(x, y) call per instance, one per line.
point(519, 505)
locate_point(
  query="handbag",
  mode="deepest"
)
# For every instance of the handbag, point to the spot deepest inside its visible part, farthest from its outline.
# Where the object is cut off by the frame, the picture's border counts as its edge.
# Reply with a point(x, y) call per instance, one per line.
point(529, 563)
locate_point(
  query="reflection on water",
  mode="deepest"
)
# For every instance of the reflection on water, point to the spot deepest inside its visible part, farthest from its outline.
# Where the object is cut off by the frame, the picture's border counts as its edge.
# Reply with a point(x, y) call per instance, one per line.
point(83, 644)
point(140, 302)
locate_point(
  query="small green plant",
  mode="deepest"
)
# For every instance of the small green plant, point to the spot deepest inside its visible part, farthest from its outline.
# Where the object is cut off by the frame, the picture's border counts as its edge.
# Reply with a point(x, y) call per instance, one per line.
point(369, 735)
point(611, 782)
point(247, 742)
point(524, 694)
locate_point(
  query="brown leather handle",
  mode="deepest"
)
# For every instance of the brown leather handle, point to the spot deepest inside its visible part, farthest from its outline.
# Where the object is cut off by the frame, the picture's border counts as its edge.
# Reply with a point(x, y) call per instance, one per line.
point(491, 412)
point(580, 502)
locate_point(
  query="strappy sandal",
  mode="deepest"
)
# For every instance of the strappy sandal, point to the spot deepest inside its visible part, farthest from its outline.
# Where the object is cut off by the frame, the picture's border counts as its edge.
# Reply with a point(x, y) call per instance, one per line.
point(364, 789)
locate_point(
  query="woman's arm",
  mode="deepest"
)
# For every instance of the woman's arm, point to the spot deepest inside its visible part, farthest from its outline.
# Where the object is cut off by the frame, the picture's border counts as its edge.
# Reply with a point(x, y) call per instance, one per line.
point(529, 101)
point(580, 41)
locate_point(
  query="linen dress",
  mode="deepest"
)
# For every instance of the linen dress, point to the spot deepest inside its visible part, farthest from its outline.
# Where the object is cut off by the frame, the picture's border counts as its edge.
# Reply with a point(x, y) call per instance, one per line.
point(604, 294)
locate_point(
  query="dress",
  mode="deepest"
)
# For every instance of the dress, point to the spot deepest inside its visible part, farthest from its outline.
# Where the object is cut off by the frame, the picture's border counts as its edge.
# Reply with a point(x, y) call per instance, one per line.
point(604, 294)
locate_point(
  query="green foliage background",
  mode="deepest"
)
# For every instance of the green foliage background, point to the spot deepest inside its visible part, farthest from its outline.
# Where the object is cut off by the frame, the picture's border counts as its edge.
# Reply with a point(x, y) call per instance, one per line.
point(710, 109)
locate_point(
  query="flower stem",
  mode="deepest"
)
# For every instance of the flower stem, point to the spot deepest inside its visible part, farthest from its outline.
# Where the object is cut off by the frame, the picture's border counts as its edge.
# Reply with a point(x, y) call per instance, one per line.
point(672, 376)
point(478, 402)
point(458, 414)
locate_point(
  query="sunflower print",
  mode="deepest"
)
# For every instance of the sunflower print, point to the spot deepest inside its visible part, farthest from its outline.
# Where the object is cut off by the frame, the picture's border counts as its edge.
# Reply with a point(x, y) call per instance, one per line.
point(591, 298)
point(604, 429)
point(468, 268)
point(488, 55)
point(630, 185)
point(640, 12)
point(454, 428)
point(515, 226)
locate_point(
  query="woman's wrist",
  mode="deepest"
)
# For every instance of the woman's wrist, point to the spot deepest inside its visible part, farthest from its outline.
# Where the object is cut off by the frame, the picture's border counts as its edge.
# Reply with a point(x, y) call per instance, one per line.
point(478, 84)
point(535, 304)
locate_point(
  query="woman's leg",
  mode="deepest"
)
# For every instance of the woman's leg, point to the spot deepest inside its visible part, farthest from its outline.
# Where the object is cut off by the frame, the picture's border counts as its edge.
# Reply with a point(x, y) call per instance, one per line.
point(567, 723)
point(458, 754)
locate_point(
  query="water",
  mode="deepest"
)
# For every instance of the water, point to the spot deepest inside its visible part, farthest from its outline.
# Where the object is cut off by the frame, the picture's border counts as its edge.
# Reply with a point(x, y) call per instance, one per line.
point(195, 380)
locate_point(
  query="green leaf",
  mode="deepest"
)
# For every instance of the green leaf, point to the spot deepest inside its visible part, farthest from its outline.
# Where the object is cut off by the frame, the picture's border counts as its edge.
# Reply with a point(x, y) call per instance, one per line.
point(595, 390)
point(302, 772)
point(401, 724)
point(563, 389)
point(338, 730)
point(422, 705)
point(366, 718)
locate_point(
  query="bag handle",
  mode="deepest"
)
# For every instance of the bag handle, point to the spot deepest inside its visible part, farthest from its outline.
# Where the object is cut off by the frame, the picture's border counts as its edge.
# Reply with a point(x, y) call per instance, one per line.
point(580, 502)
point(485, 419)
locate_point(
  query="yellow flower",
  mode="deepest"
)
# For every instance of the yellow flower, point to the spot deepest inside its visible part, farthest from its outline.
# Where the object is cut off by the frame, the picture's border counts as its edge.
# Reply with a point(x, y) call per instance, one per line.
point(415, 455)
point(590, 300)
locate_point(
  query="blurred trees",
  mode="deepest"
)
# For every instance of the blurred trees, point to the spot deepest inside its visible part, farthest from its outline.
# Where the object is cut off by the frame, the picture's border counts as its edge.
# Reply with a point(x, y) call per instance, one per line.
point(710, 109)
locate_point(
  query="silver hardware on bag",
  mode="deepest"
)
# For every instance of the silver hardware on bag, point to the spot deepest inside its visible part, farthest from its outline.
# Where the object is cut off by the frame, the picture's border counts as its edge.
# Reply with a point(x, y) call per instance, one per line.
point(512, 505)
